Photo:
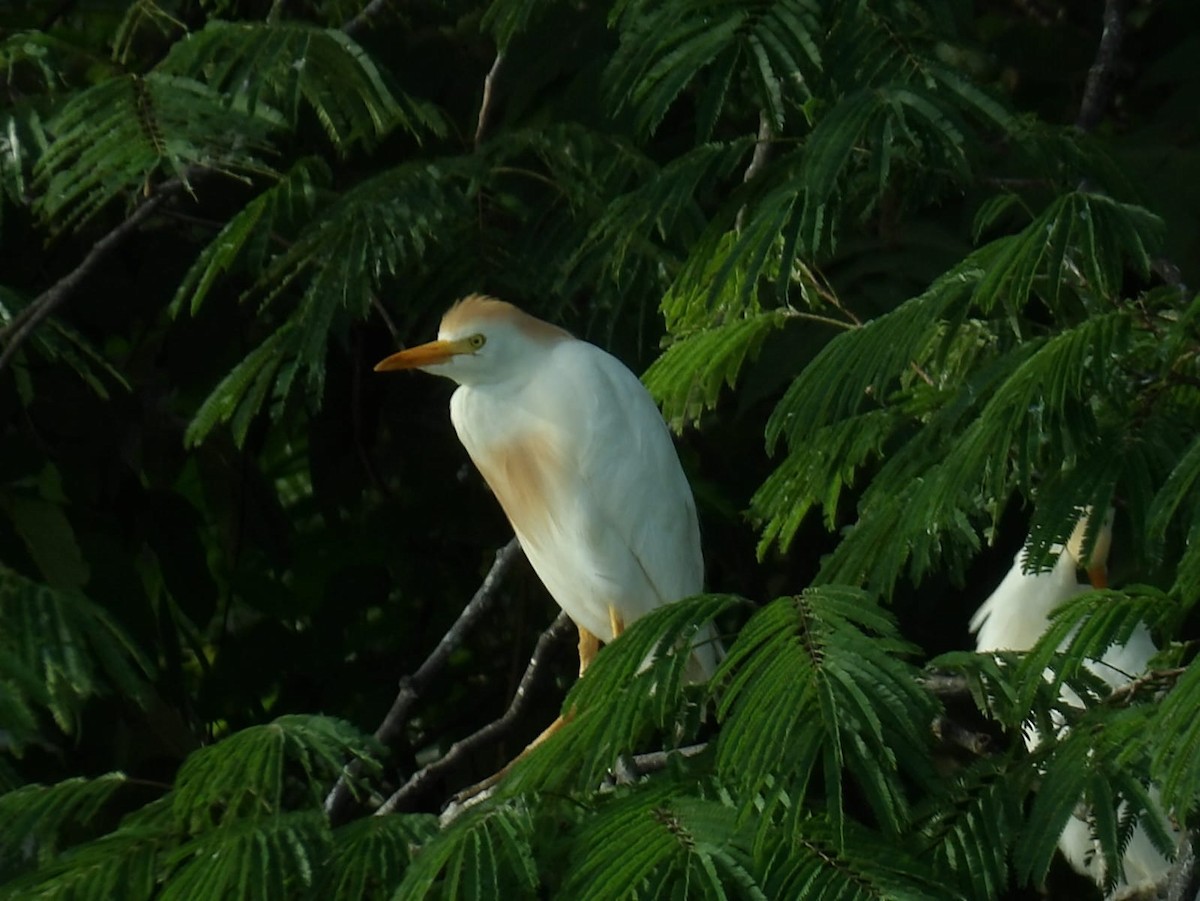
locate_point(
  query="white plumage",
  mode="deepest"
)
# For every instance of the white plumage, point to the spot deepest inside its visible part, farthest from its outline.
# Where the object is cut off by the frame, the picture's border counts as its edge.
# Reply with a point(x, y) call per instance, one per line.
point(581, 461)
point(1013, 618)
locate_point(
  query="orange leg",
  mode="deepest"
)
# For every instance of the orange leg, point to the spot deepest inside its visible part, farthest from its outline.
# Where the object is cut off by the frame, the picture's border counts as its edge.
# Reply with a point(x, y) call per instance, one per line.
point(589, 645)
point(491, 780)
point(615, 620)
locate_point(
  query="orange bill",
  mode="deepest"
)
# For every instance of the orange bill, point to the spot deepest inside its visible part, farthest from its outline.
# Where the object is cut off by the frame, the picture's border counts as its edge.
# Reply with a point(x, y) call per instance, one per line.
point(422, 355)
point(1098, 575)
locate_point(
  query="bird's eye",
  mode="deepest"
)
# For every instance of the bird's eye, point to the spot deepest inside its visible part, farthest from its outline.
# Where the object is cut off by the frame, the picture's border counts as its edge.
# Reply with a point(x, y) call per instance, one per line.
point(476, 341)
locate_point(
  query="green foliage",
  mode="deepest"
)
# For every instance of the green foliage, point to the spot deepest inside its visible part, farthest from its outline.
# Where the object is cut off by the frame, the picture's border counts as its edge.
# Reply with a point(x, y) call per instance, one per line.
point(253, 772)
point(869, 232)
point(689, 376)
point(828, 663)
point(670, 842)
point(372, 854)
point(36, 815)
point(648, 671)
point(259, 859)
point(969, 826)
point(114, 138)
point(281, 65)
point(484, 855)
point(57, 650)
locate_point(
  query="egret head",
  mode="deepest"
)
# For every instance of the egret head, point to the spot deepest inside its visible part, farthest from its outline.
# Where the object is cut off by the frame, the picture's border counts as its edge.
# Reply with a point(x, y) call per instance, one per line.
point(481, 341)
point(1097, 564)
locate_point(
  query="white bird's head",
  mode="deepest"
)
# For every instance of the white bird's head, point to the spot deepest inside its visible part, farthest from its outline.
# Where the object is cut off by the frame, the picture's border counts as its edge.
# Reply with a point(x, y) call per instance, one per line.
point(481, 341)
point(1097, 564)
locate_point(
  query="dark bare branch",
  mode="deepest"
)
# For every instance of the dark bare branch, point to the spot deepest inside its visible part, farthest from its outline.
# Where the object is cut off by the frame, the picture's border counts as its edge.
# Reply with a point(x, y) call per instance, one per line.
point(630, 769)
point(25, 323)
point(762, 153)
point(366, 16)
point(485, 105)
point(338, 801)
point(556, 633)
point(946, 687)
point(954, 735)
point(1151, 679)
point(1183, 883)
point(1097, 91)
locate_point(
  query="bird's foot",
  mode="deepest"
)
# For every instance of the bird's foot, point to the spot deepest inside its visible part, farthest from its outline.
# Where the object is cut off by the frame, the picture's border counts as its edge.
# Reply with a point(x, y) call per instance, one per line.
point(485, 788)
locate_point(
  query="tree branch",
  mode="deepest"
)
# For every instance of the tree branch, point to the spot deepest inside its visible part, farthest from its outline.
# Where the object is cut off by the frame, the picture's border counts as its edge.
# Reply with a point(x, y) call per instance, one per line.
point(558, 630)
point(1097, 90)
point(630, 769)
point(762, 152)
point(1123, 694)
point(1183, 883)
point(22, 326)
point(338, 801)
point(485, 105)
point(365, 17)
point(946, 687)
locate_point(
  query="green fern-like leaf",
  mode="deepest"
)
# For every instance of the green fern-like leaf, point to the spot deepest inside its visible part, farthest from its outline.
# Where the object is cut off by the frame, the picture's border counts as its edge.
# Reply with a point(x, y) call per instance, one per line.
point(281, 65)
point(370, 856)
point(656, 839)
point(373, 231)
point(57, 649)
point(485, 854)
point(826, 666)
point(123, 864)
point(661, 209)
point(36, 816)
point(117, 136)
point(1093, 772)
point(1178, 746)
point(1080, 240)
point(1177, 489)
point(244, 241)
point(970, 825)
point(817, 858)
point(261, 771)
point(259, 859)
point(637, 685)
point(1083, 629)
point(817, 472)
point(688, 378)
point(240, 396)
point(59, 343)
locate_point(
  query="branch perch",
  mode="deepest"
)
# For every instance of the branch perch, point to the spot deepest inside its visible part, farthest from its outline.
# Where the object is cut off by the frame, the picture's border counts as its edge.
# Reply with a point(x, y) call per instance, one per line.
point(25, 323)
point(1097, 90)
point(365, 17)
point(337, 802)
point(557, 631)
point(485, 105)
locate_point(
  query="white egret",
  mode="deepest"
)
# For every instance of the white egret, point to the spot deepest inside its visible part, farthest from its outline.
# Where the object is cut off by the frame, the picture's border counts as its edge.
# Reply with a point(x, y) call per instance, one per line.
point(1013, 618)
point(579, 457)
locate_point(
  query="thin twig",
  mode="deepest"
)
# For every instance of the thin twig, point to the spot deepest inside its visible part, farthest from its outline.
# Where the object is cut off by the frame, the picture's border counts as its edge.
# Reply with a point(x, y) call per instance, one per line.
point(485, 105)
point(558, 630)
point(24, 324)
point(365, 17)
point(630, 769)
point(953, 734)
point(762, 152)
point(383, 314)
point(817, 317)
point(1123, 694)
point(1183, 883)
point(337, 802)
point(1097, 90)
point(946, 687)
point(52, 17)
